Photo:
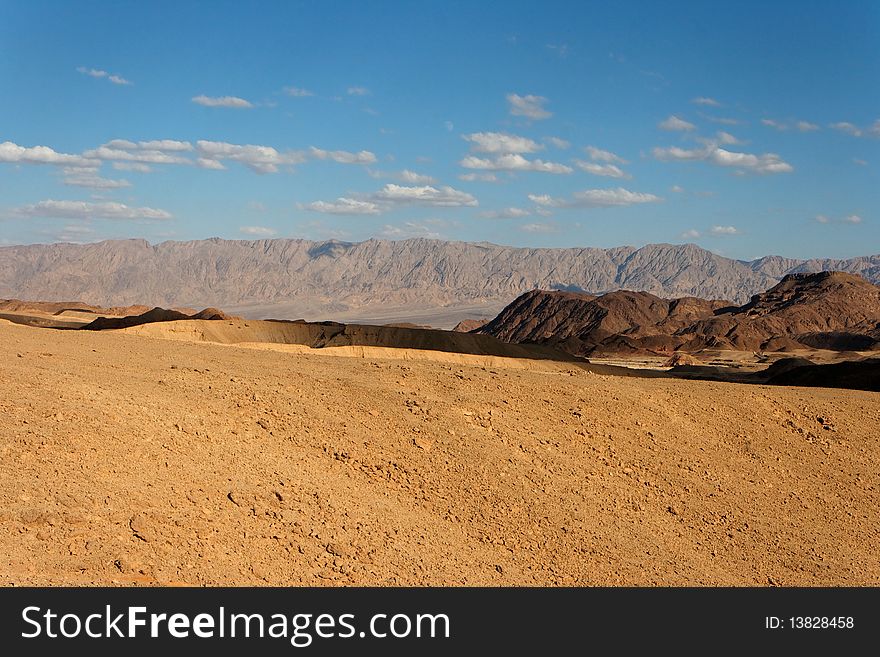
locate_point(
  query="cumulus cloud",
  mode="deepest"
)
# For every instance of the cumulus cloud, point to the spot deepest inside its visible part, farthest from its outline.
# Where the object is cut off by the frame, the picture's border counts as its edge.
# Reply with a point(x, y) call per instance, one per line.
point(407, 176)
point(690, 234)
point(343, 157)
point(727, 138)
point(538, 228)
point(609, 170)
point(772, 123)
point(478, 177)
point(357, 91)
point(344, 206)
point(222, 101)
point(677, 189)
point(724, 230)
point(410, 229)
point(261, 231)
point(675, 124)
point(14, 154)
point(765, 163)
point(848, 128)
point(556, 142)
point(599, 155)
point(261, 159)
point(424, 195)
point(209, 163)
point(595, 198)
point(499, 142)
point(703, 100)
point(132, 166)
point(98, 73)
point(513, 162)
point(298, 92)
point(531, 107)
point(90, 179)
point(86, 210)
point(127, 151)
point(872, 130)
point(852, 219)
point(806, 126)
point(506, 213)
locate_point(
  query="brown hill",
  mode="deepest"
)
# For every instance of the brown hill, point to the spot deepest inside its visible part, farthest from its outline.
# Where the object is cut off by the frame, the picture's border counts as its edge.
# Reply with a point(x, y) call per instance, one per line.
point(151, 316)
point(579, 323)
point(468, 325)
point(827, 310)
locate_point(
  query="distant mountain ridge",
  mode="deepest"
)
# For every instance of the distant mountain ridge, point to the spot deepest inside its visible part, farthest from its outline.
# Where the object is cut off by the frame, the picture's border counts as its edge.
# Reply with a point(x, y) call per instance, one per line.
point(311, 279)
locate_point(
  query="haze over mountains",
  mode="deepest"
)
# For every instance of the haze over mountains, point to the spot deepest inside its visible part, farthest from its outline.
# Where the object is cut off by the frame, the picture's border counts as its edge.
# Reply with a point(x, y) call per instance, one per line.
point(378, 279)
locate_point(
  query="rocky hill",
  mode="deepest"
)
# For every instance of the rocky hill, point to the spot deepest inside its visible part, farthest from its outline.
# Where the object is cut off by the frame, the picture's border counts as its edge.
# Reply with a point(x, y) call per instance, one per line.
point(316, 280)
point(826, 310)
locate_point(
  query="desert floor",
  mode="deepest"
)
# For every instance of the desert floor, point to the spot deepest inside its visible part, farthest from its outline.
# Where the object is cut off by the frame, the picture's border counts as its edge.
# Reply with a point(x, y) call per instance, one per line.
point(130, 459)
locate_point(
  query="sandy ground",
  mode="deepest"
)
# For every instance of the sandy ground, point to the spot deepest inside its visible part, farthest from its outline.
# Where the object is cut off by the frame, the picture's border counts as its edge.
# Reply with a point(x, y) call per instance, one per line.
point(128, 459)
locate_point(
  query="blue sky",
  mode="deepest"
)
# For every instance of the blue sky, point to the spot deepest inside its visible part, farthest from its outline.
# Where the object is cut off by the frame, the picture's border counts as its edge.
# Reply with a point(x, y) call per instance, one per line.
point(749, 128)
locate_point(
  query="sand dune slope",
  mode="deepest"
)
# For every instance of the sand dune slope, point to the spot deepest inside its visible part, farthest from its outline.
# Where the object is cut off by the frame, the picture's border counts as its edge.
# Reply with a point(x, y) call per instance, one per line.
point(133, 460)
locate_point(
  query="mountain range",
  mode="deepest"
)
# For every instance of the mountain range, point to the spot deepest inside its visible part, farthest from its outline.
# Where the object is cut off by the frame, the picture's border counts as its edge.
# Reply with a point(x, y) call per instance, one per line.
point(437, 282)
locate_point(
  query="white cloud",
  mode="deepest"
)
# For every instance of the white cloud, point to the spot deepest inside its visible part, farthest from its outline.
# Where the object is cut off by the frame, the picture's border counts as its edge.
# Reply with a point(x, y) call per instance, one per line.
point(208, 163)
point(407, 176)
point(344, 206)
point(506, 213)
point(538, 228)
point(559, 143)
point(357, 91)
point(724, 230)
point(449, 125)
point(703, 100)
point(424, 195)
point(410, 229)
point(806, 126)
point(852, 219)
point(598, 155)
point(677, 189)
point(690, 234)
point(261, 159)
point(98, 73)
point(14, 154)
point(499, 142)
point(860, 162)
point(298, 92)
point(723, 120)
point(479, 177)
point(765, 163)
point(131, 153)
point(675, 124)
point(727, 138)
point(85, 210)
point(771, 123)
point(343, 157)
point(262, 231)
point(609, 170)
point(529, 106)
point(90, 179)
point(513, 162)
point(222, 101)
point(132, 166)
point(596, 198)
point(847, 127)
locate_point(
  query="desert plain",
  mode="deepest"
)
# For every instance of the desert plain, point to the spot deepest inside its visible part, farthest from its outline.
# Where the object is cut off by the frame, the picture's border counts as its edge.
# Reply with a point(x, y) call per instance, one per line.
point(130, 458)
